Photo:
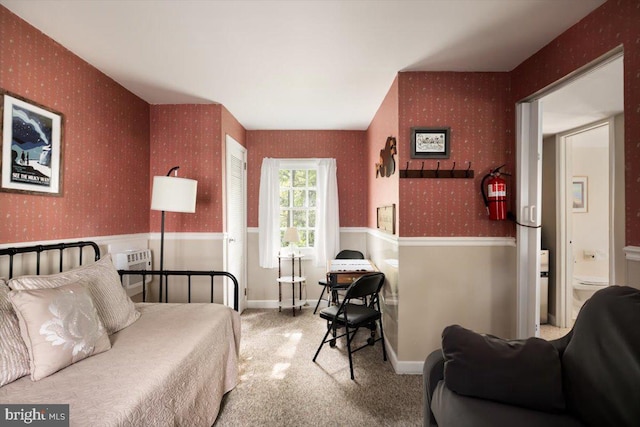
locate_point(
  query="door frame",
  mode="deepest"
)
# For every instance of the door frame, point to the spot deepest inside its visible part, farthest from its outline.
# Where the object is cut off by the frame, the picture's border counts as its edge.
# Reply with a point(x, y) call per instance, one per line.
point(564, 239)
point(528, 202)
point(528, 272)
point(232, 145)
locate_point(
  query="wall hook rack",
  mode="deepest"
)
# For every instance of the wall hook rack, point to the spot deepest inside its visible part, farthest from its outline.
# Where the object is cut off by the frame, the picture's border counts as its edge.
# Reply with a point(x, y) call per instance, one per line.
point(437, 173)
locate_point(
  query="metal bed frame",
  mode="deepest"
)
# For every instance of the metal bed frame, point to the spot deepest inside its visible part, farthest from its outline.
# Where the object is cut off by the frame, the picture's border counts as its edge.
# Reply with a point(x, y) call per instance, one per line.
point(39, 249)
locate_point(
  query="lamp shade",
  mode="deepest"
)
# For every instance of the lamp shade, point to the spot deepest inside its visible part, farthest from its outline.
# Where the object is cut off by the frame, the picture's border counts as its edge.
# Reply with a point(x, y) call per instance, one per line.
point(291, 235)
point(173, 194)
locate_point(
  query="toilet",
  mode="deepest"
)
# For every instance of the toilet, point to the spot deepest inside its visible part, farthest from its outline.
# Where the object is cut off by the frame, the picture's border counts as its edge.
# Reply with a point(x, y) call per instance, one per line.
point(584, 287)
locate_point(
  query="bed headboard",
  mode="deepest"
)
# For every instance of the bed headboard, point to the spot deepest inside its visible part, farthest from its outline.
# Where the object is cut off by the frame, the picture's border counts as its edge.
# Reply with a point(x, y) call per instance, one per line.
point(39, 249)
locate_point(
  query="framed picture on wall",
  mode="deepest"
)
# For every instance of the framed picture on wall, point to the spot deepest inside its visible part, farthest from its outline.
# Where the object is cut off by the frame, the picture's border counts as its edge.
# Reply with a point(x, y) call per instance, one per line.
point(386, 218)
point(31, 147)
point(430, 143)
point(579, 194)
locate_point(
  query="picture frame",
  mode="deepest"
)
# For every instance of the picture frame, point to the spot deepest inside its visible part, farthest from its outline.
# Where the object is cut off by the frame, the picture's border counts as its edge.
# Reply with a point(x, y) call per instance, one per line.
point(386, 218)
point(31, 147)
point(580, 194)
point(430, 142)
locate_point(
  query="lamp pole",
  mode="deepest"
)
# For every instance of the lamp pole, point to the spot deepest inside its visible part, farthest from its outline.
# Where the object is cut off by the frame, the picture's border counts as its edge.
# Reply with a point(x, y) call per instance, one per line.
point(173, 169)
point(171, 194)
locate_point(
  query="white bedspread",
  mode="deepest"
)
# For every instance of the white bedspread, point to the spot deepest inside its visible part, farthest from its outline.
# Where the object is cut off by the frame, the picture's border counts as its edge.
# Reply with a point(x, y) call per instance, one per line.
point(170, 368)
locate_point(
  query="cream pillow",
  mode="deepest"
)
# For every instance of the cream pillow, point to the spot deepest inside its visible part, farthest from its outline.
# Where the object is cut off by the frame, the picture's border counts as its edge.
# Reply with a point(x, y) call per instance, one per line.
point(14, 358)
point(115, 308)
point(59, 326)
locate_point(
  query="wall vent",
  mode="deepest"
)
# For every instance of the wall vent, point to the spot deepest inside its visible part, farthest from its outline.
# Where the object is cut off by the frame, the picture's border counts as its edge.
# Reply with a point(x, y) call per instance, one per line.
point(138, 259)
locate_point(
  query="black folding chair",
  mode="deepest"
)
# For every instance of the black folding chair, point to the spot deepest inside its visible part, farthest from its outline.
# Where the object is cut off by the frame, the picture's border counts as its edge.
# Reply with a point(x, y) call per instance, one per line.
point(332, 290)
point(354, 316)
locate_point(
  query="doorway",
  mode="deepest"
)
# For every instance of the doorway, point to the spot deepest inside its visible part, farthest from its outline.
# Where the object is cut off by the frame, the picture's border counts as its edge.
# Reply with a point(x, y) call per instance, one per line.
point(566, 102)
point(585, 208)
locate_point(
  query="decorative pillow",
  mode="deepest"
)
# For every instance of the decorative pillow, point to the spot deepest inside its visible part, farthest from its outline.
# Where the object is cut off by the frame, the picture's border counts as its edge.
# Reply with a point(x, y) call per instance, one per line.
point(115, 308)
point(59, 326)
point(14, 358)
point(518, 372)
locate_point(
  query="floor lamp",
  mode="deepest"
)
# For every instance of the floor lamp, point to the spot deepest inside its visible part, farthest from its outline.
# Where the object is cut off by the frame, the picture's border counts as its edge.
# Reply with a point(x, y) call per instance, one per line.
point(172, 194)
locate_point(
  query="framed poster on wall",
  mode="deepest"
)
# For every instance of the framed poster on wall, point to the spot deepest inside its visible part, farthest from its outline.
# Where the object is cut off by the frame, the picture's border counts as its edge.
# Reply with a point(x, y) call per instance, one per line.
point(31, 147)
point(580, 194)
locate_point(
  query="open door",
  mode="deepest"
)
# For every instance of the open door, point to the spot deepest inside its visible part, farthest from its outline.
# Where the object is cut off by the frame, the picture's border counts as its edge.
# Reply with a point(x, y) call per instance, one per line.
point(236, 220)
point(528, 213)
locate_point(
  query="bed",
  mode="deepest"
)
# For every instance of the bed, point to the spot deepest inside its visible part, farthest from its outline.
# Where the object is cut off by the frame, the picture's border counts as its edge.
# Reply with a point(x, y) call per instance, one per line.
point(171, 365)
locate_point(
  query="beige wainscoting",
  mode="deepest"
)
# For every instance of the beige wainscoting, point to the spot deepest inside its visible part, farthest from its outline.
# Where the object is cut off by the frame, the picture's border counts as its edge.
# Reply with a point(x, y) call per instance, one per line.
point(50, 260)
point(466, 281)
point(383, 250)
point(262, 288)
point(189, 251)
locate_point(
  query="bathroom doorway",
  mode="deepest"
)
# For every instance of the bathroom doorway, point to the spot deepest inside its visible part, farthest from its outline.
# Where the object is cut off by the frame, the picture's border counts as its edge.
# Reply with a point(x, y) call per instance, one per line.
point(583, 188)
point(587, 95)
point(587, 185)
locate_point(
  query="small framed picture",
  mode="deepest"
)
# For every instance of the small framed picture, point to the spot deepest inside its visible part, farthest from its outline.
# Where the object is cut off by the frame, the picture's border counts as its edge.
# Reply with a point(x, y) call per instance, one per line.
point(430, 143)
point(31, 147)
point(579, 194)
point(387, 218)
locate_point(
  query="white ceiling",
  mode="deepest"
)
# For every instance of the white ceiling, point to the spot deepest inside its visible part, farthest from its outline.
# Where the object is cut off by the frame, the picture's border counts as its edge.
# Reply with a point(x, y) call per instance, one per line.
point(594, 96)
point(295, 64)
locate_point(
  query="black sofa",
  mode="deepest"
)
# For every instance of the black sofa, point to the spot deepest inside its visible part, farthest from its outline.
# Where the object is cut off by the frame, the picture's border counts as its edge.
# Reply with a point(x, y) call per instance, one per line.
point(589, 378)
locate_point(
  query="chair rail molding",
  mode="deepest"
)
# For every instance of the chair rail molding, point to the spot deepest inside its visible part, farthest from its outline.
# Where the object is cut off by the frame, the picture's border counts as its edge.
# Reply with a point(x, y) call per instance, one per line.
point(100, 240)
point(457, 241)
point(188, 236)
point(632, 253)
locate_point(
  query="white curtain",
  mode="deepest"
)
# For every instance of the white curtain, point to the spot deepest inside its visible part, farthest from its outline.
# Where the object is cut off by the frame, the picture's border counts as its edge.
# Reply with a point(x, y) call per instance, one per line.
point(328, 213)
point(327, 242)
point(269, 213)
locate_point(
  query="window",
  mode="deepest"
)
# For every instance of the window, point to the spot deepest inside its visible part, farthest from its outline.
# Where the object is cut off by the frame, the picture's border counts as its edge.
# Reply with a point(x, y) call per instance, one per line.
point(301, 193)
point(298, 195)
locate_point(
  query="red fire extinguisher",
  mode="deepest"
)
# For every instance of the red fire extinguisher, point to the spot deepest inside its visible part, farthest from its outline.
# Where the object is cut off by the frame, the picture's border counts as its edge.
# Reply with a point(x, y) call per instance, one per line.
point(494, 193)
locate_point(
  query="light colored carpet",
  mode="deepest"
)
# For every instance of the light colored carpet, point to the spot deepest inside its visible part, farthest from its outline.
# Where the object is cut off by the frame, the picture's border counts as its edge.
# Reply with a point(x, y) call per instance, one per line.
point(550, 332)
point(281, 386)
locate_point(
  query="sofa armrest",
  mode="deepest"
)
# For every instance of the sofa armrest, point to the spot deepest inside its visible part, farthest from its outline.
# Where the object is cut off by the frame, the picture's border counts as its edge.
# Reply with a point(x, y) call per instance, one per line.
point(432, 373)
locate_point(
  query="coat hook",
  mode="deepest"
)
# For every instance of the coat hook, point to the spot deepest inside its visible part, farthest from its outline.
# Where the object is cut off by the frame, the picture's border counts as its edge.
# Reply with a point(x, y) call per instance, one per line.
point(422, 170)
point(453, 169)
point(438, 169)
point(407, 168)
point(468, 169)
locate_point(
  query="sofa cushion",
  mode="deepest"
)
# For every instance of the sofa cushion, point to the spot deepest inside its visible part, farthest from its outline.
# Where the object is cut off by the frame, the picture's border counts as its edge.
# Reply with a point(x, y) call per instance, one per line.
point(14, 359)
point(115, 308)
point(59, 326)
point(519, 372)
point(453, 410)
point(601, 364)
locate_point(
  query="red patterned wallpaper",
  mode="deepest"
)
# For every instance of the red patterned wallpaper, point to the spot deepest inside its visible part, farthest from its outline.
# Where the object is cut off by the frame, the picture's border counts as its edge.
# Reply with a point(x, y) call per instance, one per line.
point(189, 136)
point(105, 143)
point(382, 191)
point(347, 147)
point(231, 126)
point(102, 118)
point(477, 107)
point(614, 23)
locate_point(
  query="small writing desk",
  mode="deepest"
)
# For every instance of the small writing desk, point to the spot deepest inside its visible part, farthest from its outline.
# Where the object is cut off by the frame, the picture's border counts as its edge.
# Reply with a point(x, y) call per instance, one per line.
point(345, 271)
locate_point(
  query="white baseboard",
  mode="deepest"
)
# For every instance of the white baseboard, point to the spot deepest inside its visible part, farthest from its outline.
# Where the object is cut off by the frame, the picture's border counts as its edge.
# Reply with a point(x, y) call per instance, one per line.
point(262, 304)
point(402, 367)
